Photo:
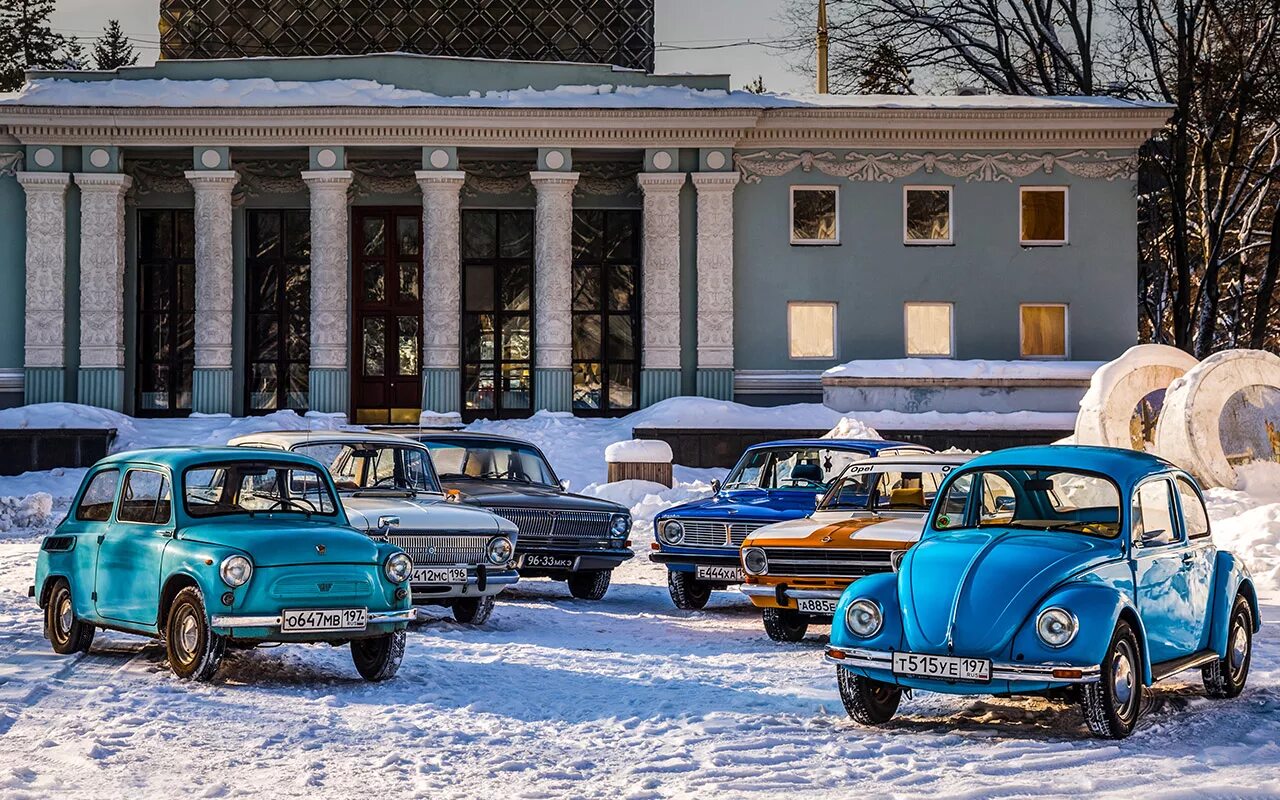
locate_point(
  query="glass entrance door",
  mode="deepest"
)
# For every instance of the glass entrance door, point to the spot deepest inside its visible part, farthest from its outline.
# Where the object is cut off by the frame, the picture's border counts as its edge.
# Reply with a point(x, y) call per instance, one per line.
point(387, 316)
point(278, 344)
point(497, 322)
point(606, 312)
point(166, 313)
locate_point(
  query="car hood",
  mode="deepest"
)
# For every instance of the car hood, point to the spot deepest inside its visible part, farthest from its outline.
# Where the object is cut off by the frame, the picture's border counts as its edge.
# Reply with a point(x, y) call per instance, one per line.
point(504, 494)
point(970, 591)
point(753, 505)
point(274, 543)
point(422, 513)
point(837, 529)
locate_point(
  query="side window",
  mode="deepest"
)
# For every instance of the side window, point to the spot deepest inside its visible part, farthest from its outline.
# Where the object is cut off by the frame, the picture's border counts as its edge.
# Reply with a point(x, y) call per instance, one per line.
point(952, 506)
point(146, 498)
point(1153, 515)
point(999, 502)
point(1193, 513)
point(96, 504)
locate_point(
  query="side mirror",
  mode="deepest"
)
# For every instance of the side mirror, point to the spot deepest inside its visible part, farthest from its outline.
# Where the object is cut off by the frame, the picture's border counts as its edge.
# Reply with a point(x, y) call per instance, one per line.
point(388, 522)
point(1006, 503)
point(564, 484)
point(715, 486)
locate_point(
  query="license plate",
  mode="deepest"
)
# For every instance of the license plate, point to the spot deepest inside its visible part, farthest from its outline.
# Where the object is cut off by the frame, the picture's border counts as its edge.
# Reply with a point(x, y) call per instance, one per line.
point(334, 619)
point(704, 572)
point(946, 668)
point(816, 605)
point(439, 575)
point(547, 562)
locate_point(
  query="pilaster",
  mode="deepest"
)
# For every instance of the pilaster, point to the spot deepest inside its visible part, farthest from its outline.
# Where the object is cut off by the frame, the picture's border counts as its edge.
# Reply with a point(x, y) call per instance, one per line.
point(442, 273)
point(660, 284)
point(102, 234)
point(211, 391)
point(715, 283)
point(46, 271)
point(329, 381)
point(553, 289)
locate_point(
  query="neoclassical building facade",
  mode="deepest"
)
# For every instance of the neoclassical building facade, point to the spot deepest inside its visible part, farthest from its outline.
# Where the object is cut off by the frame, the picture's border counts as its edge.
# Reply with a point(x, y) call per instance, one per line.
point(381, 235)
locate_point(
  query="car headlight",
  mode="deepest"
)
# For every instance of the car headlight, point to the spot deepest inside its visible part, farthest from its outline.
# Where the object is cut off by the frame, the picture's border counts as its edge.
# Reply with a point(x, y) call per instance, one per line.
point(1056, 627)
point(864, 618)
point(620, 526)
point(399, 567)
point(671, 532)
point(236, 571)
point(499, 551)
point(755, 561)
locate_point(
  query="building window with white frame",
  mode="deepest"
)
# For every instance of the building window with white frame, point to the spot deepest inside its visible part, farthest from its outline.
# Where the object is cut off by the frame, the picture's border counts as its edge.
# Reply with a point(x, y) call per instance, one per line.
point(815, 215)
point(1044, 330)
point(930, 330)
point(811, 330)
point(926, 214)
point(1043, 215)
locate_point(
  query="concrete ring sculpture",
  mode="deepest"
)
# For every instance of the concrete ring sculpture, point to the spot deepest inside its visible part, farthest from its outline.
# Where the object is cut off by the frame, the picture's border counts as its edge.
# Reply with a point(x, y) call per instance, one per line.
point(1106, 411)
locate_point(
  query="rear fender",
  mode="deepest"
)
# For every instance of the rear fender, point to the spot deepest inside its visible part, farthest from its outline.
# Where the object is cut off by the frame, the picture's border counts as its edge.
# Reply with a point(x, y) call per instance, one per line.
point(1231, 578)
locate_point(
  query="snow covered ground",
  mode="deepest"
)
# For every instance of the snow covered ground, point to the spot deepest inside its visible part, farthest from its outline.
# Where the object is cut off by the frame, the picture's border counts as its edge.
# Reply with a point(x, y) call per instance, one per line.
point(559, 698)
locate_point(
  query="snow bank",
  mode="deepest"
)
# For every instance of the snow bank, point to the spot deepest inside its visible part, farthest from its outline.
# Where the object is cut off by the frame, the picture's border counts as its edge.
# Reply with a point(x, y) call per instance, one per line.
point(638, 451)
point(850, 428)
point(953, 369)
point(647, 499)
point(1246, 521)
point(32, 511)
point(703, 412)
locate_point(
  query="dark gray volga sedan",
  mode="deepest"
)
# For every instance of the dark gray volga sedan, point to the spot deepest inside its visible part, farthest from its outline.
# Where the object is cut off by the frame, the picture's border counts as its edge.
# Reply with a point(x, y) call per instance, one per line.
point(563, 536)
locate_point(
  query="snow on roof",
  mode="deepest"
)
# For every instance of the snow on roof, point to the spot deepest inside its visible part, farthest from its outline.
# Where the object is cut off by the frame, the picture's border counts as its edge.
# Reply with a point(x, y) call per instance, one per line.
point(269, 93)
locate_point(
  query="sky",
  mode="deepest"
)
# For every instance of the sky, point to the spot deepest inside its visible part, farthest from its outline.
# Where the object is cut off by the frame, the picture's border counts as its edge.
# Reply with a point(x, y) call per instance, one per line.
point(704, 24)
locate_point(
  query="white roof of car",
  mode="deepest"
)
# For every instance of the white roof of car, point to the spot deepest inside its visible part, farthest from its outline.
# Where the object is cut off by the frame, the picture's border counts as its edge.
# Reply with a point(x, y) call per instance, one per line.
point(919, 461)
point(287, 440)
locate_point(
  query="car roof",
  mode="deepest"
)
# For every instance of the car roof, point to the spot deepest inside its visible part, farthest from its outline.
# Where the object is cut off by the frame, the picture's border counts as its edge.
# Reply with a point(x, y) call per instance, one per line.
point(918, 459)
point(863, 445)
point(429, 435)
point(181, 457)
point(1126, 467)
point(289, 439)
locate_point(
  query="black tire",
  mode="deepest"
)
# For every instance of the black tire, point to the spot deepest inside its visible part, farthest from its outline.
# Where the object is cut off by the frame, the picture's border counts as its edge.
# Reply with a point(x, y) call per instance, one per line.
point(868, 702)
point(473, 610)
point(785, 625)
point(590, 584)
point(378, 658)
point(1225, 677)
point(193, 649)
point(1112, 705)
point(687, 592)
point(64, 631)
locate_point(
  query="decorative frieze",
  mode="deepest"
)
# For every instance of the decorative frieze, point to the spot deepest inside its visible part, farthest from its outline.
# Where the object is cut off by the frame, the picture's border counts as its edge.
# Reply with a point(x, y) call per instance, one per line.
point(46, 266)
point(441, 268)
point(214, 298)
point(607, 179)
point(157, 176)
point(884, 167)
point(497, 178)
point(10, 162)
point(660, 283)
point(553, 262)
point(384, 177)
point(329, 278)
point(102, 268)
point(263, 177)
point(715, 268)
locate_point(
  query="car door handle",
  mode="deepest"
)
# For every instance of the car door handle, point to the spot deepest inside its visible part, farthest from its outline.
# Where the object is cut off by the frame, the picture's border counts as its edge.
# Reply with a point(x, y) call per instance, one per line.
point(1188, 558)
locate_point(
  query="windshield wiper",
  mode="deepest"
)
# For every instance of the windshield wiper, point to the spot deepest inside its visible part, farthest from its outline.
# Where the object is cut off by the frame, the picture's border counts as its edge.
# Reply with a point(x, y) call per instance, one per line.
point(456, 476)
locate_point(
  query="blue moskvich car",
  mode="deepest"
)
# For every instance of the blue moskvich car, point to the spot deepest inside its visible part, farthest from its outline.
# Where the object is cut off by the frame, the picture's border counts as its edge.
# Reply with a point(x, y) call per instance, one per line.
point(772, 482)
point(1087, 572)
point(205, 547)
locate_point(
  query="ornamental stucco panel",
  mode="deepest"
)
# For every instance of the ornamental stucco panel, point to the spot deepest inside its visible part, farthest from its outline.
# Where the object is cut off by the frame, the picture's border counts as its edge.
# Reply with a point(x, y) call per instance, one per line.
point(715, 268)
point(46, 266)
point(985, 166)
point(441, 268)
point(553, 260)
point(102, 269)
point(214, 267)
point(660, 303)
point(329, 280)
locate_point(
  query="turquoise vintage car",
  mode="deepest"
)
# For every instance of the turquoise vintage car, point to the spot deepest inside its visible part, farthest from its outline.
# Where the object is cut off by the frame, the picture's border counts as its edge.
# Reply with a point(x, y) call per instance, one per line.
point(1083, 572)
point(256, 550)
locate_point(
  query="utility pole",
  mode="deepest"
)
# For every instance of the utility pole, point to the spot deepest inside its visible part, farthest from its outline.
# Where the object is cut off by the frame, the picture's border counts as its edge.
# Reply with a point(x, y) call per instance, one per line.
point(822, 47)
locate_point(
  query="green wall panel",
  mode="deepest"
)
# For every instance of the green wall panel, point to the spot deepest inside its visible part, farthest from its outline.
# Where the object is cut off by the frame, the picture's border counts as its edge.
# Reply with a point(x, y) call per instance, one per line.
point(45, 385)
point(553, 389)
point(657, 385)
point(441, 390)
point(102, 387)
point(715, 383)
point(211, 391)
point(329, 389)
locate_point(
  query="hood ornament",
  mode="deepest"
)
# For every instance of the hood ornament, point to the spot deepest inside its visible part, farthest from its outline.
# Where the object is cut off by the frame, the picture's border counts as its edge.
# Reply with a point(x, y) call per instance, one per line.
point(320, 549)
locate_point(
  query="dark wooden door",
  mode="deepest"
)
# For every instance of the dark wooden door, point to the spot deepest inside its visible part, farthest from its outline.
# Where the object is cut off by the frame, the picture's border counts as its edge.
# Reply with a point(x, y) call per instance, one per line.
point(166, 312)
point(606, 312)
point(386, 336)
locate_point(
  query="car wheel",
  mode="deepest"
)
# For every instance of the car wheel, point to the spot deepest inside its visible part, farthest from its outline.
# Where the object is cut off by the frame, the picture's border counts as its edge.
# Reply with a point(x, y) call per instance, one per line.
point(687, 592)
point(473, 610)
point(1225, 677)
point(1112, 704)
point(64, 631)
point(590, 584)
point(868, 702)
point(785, 625)
point(193, 649)
point(378, 658)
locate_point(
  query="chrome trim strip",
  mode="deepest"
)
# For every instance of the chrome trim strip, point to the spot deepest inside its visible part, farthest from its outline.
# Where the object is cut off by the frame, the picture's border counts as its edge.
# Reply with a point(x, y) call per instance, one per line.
point(1000, 670)
point(374, 618)
point(807, 594)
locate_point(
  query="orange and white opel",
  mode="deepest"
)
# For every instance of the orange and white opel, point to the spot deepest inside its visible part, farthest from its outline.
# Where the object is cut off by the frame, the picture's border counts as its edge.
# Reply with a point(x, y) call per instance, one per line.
point(797, 570)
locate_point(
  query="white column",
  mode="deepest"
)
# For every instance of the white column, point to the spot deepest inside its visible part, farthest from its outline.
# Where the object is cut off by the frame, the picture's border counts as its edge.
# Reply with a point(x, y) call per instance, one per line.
point(46, 271)
point(442, 282)
point(660, 305)
point(553, 289)
point(102, 207)
point(715, 282)
point(211, 390)
point(329, 380)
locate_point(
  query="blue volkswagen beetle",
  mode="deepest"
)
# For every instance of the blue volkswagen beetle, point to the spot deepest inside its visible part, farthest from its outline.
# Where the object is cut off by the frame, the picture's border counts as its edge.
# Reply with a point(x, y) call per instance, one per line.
point(1084, 572)
point(772, 482)
point(209, 547)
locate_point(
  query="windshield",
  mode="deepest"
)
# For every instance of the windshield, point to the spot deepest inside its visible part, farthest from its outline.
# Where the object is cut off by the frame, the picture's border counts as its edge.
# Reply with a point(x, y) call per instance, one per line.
point(490, 461)
point(868, 488)
point(357, 466)
point(809, 468)
point(1034, 499)
point(253, 487)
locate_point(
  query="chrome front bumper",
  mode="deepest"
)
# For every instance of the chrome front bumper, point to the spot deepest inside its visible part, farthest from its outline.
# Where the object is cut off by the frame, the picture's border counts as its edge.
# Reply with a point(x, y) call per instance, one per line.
point(1000, 670)
point(375, 618)
point(751, 590)
point(493, 584)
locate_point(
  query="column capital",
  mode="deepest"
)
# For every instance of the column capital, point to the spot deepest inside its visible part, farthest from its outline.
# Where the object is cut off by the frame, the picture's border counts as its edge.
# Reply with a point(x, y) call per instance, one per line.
point(337, 178)
point(444, 179)
point(44, 181)
point(212, 178)
point(549, 180)
point(716, 181)
point(103, 181)
point(656, 182)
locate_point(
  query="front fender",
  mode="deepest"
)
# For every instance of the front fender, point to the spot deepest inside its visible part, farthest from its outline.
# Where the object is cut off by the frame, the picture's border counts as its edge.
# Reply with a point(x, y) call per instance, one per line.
point(1231, 577)
point(883, 589)
point(1097, 607)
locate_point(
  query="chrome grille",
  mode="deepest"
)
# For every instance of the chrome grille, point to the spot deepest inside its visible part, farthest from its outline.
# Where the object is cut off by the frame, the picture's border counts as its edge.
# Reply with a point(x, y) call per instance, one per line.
point(712, 533)
point(569, 528)
point(435, 549)
point(817, 562)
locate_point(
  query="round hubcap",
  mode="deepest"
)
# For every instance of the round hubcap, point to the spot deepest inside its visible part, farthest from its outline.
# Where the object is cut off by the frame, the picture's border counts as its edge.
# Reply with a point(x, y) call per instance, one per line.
point(1122, 679)
point(65, 616)
point(188, 636)
point(1239, 647)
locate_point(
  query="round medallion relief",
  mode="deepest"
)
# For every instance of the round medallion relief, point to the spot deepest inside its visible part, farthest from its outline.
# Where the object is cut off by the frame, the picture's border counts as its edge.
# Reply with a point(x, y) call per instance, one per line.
point(100, 158)
point(715, 160)
point(326, 158)
point(44, 157)
point(439, 159)
point(210, 159)
point(662, 160)
point(555, 159)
